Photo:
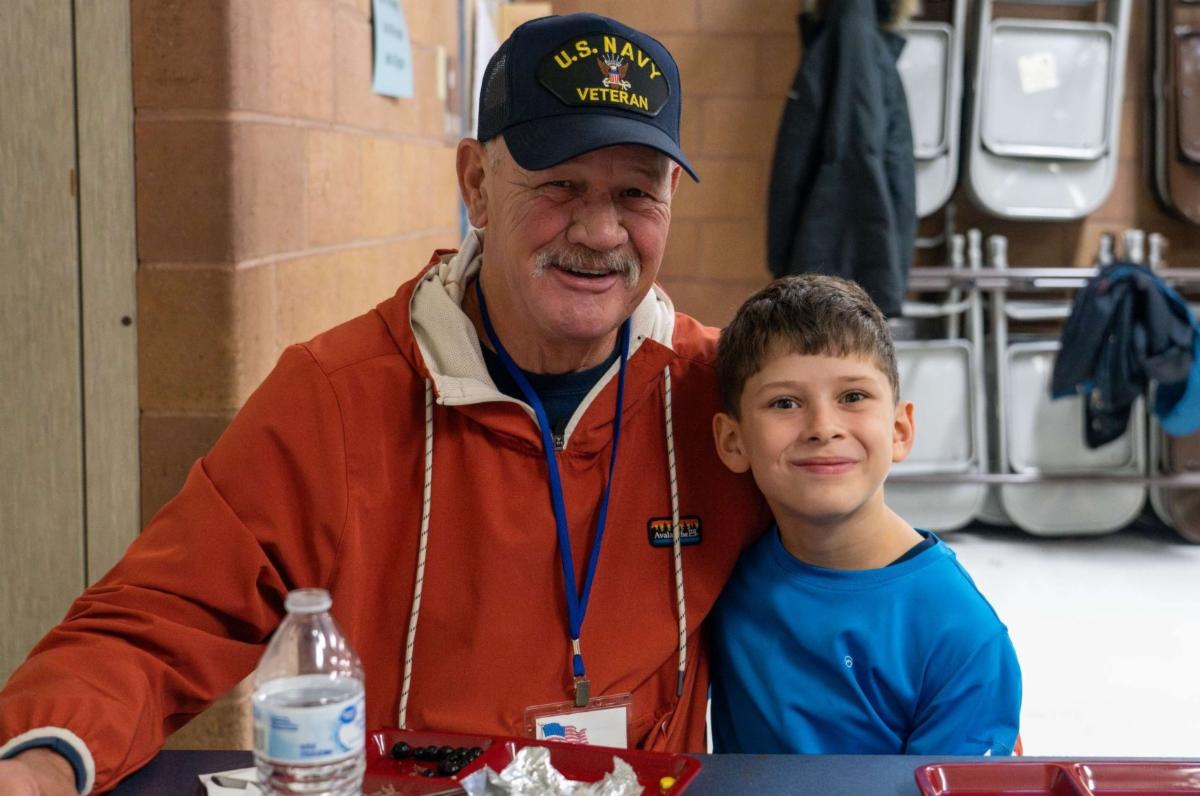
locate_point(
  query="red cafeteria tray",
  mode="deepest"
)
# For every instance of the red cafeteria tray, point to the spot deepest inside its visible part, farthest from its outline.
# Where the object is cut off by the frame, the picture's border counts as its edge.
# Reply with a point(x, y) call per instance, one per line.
point(1060, 778)
point(575, 761)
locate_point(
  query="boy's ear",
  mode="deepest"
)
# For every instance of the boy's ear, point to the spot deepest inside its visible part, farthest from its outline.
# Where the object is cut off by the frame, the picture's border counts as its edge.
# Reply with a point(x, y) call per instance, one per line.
point(728, 437)
point(903, 430)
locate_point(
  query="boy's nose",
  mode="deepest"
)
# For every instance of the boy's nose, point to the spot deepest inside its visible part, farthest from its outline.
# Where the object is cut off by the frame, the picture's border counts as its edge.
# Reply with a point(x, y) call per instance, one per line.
point(822, 425)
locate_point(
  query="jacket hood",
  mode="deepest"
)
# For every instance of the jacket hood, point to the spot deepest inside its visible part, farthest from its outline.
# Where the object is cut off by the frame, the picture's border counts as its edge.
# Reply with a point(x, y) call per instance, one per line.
point(447, 349)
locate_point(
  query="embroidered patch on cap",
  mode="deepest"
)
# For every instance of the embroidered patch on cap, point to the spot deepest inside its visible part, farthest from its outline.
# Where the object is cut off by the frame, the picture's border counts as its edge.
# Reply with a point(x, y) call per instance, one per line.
point(605, 72)
point(659, 530)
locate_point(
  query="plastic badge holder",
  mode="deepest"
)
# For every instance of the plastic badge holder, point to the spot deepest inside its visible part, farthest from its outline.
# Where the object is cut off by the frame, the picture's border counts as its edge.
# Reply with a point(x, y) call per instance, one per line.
point(575, 761)
point(1060, 778)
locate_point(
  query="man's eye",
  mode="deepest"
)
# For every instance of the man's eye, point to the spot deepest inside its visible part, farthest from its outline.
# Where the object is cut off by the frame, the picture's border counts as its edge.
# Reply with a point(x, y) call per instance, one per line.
point(635, 193)
point(559, 184)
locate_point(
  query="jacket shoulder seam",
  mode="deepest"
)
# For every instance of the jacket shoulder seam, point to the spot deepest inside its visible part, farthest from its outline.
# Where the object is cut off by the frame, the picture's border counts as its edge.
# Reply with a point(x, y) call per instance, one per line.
point(695, 360)
point(330, 371)
point(364, 360)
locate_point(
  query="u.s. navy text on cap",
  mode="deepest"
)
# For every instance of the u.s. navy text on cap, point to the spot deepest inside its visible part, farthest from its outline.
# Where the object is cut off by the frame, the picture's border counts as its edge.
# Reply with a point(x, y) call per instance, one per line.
point(605, 70)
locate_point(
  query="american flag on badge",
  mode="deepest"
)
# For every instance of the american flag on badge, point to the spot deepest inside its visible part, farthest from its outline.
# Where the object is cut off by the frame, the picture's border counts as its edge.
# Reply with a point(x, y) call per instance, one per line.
point(566, 733)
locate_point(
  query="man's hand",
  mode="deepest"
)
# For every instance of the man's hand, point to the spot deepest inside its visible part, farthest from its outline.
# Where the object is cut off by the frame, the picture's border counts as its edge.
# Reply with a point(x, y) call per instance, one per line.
point(37, 772)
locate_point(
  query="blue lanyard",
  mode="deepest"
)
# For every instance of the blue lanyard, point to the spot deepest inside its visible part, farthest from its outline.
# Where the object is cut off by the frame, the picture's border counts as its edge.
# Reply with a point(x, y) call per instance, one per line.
point(577, 602)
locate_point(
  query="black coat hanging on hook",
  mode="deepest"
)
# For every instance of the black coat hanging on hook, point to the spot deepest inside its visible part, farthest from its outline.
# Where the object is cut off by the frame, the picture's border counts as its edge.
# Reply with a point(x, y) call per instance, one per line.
point(843, 187)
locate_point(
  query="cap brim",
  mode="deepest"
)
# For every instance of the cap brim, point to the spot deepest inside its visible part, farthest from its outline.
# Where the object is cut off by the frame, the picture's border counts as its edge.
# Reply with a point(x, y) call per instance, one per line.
point(542, 143)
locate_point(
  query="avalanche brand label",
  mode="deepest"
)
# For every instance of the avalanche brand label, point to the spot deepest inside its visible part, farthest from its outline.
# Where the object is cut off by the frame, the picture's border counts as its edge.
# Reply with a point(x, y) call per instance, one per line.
point(659, 531)
point(286, 732)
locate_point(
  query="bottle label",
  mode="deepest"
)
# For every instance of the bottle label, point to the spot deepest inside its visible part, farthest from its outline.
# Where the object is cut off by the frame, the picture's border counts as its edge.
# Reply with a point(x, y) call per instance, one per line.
point(309, 719)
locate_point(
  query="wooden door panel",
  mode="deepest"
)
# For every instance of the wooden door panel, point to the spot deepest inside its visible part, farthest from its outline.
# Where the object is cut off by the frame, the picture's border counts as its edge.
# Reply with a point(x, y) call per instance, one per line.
point(41, 443)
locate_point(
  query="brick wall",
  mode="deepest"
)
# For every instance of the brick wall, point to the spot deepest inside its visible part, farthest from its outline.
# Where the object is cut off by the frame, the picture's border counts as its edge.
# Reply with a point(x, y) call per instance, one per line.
point(276, 196)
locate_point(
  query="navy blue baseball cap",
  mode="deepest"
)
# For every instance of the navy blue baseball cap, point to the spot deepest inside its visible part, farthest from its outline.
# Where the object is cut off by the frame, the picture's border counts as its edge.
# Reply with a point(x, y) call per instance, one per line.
point(562, 86)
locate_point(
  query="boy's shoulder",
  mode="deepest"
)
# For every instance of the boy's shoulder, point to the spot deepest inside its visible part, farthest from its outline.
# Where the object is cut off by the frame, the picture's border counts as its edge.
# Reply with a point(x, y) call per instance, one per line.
point(951, 608)
point(950, 579)
point(932, 588)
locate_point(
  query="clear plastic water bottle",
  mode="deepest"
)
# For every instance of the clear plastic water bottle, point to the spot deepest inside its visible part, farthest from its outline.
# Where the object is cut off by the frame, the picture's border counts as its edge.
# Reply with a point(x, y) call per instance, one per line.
point(309, 720)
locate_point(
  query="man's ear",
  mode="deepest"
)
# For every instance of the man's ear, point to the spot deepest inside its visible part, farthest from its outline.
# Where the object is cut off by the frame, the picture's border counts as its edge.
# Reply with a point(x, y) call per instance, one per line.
point(903, 430)
point(727, 435)
point(472, 173)
point(676, 170)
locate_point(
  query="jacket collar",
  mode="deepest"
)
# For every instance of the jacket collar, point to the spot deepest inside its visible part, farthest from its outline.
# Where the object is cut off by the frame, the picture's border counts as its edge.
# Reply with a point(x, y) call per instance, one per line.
point(426, 320)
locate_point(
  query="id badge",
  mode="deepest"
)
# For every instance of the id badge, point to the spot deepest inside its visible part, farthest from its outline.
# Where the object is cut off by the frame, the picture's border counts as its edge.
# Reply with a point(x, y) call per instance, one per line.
point(604, 721)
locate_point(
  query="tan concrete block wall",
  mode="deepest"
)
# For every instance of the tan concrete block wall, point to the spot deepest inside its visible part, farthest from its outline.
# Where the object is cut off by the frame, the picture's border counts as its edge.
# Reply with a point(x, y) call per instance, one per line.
point(277, 196)
point(184, 437)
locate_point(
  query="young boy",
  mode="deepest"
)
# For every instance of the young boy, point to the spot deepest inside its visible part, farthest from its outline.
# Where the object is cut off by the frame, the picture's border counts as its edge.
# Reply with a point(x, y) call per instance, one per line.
point(843, 630)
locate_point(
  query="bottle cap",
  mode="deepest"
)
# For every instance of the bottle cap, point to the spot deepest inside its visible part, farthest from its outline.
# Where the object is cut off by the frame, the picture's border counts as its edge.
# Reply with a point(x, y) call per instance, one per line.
point(308, 601)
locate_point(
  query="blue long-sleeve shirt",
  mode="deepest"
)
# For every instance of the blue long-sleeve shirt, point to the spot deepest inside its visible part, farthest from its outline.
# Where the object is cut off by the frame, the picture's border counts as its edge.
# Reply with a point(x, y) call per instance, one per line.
point(907, 659)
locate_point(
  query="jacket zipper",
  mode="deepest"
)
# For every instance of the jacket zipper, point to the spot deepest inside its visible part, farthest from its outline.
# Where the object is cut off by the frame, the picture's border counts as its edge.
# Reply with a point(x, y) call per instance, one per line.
point(560, 442)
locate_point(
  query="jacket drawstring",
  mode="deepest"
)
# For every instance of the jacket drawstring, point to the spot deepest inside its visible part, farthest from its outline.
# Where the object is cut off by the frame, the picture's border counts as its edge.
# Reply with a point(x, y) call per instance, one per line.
point(423, 546)
point(680, 604)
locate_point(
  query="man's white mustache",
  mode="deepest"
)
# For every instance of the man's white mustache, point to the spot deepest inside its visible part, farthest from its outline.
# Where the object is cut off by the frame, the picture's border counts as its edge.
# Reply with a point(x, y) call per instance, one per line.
point(583, 259)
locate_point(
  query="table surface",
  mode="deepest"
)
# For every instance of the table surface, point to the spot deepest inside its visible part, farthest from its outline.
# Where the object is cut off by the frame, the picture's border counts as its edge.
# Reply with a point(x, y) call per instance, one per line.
point(175, 772)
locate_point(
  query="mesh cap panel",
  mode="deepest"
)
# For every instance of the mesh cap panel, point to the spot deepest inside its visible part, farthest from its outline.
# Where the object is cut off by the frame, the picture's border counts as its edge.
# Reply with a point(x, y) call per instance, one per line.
point(494, 96)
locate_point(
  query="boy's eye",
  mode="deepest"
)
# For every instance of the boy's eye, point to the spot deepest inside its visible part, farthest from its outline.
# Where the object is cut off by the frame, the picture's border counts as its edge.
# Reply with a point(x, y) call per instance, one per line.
point(784, 403)
point(854, 396)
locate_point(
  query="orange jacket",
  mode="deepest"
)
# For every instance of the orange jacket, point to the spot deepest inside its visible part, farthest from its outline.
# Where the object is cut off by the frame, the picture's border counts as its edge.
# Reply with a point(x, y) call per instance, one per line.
point(318, 481)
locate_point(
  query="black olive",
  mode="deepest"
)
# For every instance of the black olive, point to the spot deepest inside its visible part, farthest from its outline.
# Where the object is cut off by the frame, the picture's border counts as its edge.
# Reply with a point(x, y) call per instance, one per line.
point(449, 769)
point(428, 772)
point(401, 750)
point(444, 752)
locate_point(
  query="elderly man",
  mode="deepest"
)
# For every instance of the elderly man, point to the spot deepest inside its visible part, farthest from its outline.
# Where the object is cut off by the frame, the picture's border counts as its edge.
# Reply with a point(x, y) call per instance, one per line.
point(516, 442)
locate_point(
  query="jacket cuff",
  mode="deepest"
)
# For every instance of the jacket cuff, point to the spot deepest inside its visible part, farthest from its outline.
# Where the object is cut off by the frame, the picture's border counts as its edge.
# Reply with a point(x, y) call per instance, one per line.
point(60, 740)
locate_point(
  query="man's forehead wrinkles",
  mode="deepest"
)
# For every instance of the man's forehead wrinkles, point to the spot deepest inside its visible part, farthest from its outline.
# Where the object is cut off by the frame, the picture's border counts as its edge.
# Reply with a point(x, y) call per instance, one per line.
point(657, 169)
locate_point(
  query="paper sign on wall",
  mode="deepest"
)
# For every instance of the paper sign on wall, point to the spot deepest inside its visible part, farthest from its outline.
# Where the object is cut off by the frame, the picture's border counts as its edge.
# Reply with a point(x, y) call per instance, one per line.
point(393, 50)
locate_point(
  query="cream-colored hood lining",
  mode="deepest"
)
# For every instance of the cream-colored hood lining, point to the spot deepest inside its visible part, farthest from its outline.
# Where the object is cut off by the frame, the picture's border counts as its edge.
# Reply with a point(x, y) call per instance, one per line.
point(450, 347)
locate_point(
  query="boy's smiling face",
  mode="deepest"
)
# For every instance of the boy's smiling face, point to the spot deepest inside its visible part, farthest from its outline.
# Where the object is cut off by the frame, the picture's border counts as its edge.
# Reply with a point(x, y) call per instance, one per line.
point(819, 433)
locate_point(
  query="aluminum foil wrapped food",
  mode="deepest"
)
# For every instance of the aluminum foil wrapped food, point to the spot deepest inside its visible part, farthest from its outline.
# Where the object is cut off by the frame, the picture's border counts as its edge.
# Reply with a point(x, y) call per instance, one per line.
point(531, 774)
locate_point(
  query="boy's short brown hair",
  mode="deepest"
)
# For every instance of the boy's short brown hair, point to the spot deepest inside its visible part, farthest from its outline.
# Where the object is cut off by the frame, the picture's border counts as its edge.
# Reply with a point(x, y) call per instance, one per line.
point(807, 314)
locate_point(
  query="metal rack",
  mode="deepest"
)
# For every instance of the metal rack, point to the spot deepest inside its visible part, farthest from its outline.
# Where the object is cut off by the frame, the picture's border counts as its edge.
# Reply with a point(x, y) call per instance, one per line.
point(943, 278)
point(997, 282)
